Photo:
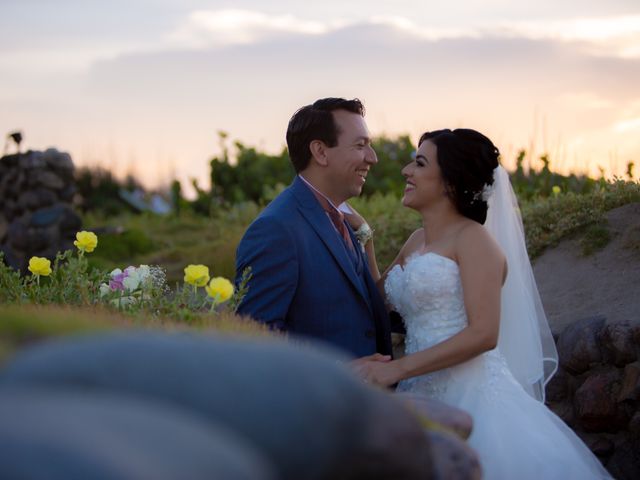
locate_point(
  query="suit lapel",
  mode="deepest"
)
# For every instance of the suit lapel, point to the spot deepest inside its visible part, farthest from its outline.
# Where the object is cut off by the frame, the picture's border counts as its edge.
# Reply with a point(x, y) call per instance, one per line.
point(320, 223)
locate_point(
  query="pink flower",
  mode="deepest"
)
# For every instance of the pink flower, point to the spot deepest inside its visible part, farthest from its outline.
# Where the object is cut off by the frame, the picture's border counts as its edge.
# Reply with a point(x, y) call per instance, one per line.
point(117, 279)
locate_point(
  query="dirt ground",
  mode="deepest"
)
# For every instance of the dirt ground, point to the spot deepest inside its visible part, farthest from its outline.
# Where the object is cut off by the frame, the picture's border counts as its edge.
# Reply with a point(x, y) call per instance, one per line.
point(606, 282)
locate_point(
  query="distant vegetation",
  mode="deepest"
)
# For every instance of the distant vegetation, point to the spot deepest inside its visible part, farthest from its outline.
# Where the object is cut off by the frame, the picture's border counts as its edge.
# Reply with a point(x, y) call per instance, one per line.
point(207, 229)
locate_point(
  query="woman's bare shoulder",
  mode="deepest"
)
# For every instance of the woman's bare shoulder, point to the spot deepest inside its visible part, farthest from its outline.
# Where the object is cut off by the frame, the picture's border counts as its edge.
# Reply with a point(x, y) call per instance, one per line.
point(475, 242)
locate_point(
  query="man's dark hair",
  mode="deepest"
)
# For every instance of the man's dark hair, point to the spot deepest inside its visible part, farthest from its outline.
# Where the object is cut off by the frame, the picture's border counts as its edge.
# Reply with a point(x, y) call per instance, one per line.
point(316, 122)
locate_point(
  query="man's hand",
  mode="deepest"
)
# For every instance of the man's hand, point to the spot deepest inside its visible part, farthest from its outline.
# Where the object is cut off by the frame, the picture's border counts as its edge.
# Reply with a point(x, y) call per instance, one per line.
point(381, 373)
point(376, 357)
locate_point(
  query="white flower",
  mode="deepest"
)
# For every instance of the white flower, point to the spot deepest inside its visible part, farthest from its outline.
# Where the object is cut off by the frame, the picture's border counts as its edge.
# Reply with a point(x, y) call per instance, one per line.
point(131, 283)
point(487, 190)
point(104, 289)
point(124, 301)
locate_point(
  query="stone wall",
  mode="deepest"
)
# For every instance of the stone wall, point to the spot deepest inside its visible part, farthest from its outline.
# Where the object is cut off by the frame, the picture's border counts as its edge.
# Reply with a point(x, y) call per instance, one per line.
point(597, 390)
point(36, 216)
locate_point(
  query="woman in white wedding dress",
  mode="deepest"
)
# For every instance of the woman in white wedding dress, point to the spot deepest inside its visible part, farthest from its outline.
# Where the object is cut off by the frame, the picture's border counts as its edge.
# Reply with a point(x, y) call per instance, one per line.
point(476, 336)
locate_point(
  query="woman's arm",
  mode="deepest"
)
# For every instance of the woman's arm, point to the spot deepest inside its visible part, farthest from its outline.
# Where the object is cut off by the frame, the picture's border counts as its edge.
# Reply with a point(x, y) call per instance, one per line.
point(481, 270)
point(413, 242)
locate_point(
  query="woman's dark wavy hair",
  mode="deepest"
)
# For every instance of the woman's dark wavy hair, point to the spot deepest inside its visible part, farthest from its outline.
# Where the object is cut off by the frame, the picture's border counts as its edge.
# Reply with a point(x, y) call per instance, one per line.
point(467, 160)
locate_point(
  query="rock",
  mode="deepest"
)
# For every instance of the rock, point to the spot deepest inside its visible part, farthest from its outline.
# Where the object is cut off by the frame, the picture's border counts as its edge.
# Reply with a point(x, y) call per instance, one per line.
point(618, 344)
point(39, 239)
point(452, 418)
point(11, 160)
point(601, 446)
point(60, 161)
point(624, 464)
point(29, 200)
point(18, 235)
point(4, 227)
point(61, 435)
point(67, 193)
point(634, 424)
point(48, 179)
point(557, 388)
point(636, 333)
point(631, 383)
point(31, 160)
point(453, 458)
point(11, 210)
point(564, 410)
point(595, 401)
point(47, 216)
point(394, 445)
point(578, 344)
point(70, 223)
point(302, 409)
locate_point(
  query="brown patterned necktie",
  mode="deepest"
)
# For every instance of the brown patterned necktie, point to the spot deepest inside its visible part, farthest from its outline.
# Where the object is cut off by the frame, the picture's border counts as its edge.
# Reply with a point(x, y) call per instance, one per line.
point(337, 218)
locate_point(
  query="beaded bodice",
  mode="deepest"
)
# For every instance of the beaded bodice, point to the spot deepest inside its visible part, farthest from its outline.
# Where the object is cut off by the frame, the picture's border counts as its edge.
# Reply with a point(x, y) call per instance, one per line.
point(427, 293)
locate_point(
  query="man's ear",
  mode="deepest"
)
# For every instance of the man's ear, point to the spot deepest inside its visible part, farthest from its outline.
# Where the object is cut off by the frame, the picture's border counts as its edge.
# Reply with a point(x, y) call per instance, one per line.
point(318, 151)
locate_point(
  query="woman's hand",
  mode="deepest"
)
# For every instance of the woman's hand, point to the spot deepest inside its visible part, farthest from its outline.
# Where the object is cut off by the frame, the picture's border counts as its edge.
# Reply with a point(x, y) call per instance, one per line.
point(354, 219)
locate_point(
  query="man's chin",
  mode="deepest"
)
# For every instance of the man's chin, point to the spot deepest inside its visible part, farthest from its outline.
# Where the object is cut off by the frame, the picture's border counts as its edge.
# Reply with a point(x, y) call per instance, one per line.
point(355, 192)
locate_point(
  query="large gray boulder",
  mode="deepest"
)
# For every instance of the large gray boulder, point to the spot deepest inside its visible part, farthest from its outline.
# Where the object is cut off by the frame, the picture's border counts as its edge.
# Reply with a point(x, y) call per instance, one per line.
point(53, 435)
point(303, 409)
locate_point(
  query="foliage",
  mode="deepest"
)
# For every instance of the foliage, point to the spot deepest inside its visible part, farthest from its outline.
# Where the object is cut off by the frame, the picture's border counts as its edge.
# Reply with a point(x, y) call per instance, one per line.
point(392, 224)
point(139, 290)
point(99, 190)
point(176, 240)
point(253, 176)
point(21, 325)
point(548, 220)
point(535, 184)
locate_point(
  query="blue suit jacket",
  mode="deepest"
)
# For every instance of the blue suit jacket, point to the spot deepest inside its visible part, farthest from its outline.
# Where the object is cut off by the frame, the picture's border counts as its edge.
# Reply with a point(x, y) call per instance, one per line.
point(303, 279)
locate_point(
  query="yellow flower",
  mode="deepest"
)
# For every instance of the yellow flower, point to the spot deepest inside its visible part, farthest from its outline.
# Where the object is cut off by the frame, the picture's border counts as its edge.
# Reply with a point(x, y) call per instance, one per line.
point(220, 289)
point(556, 190)
point(196, 275)
point(86, 241)
point(40, 266)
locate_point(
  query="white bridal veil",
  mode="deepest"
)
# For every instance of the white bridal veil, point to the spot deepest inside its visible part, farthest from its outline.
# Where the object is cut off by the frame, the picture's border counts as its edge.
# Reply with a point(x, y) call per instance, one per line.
point(525, 337)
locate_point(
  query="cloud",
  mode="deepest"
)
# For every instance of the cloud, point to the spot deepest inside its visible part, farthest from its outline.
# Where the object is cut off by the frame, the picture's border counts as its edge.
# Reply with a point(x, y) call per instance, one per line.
point(246, 72)
point(207, 28)
point(607, 36)
point(627, 125)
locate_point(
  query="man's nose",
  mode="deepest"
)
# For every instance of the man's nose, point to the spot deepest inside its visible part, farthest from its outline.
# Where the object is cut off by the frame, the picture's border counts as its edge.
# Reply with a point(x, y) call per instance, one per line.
point(371, 156)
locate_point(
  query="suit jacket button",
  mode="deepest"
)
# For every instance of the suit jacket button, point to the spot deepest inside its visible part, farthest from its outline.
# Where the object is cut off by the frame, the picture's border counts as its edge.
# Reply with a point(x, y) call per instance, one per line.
point(370, 333)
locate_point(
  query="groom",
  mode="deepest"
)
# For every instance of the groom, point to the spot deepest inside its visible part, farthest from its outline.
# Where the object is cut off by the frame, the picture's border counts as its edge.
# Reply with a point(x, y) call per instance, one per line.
point(310, 276)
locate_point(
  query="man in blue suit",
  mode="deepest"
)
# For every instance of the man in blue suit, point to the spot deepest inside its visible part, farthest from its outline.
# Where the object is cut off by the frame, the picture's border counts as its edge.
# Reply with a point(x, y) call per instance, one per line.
point(310, 275)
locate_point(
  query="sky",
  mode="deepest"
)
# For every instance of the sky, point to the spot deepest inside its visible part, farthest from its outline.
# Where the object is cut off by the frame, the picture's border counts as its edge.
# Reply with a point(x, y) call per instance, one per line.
point(144, 87)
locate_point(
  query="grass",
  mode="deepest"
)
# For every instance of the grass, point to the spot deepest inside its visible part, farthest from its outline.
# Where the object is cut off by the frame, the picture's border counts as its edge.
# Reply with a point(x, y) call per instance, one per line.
point(631, 240)
point(174, 242)
point(24, 325)
point(177, 241)
point(595, 237)
point(547, 221)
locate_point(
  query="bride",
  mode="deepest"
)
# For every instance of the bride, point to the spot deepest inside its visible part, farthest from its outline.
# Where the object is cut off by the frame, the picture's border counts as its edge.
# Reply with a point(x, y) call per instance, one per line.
point(477, 337)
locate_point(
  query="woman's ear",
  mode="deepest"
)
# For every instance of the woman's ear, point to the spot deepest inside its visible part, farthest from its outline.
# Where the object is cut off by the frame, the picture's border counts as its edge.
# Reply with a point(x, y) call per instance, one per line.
point(318, 151)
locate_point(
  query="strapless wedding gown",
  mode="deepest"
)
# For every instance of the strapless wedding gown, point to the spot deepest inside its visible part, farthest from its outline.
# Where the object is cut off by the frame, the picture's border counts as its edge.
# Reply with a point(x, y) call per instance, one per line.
point(515, 436)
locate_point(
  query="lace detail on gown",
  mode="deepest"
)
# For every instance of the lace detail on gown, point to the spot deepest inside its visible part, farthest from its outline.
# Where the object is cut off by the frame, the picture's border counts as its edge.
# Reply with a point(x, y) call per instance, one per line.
point(509, 425)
